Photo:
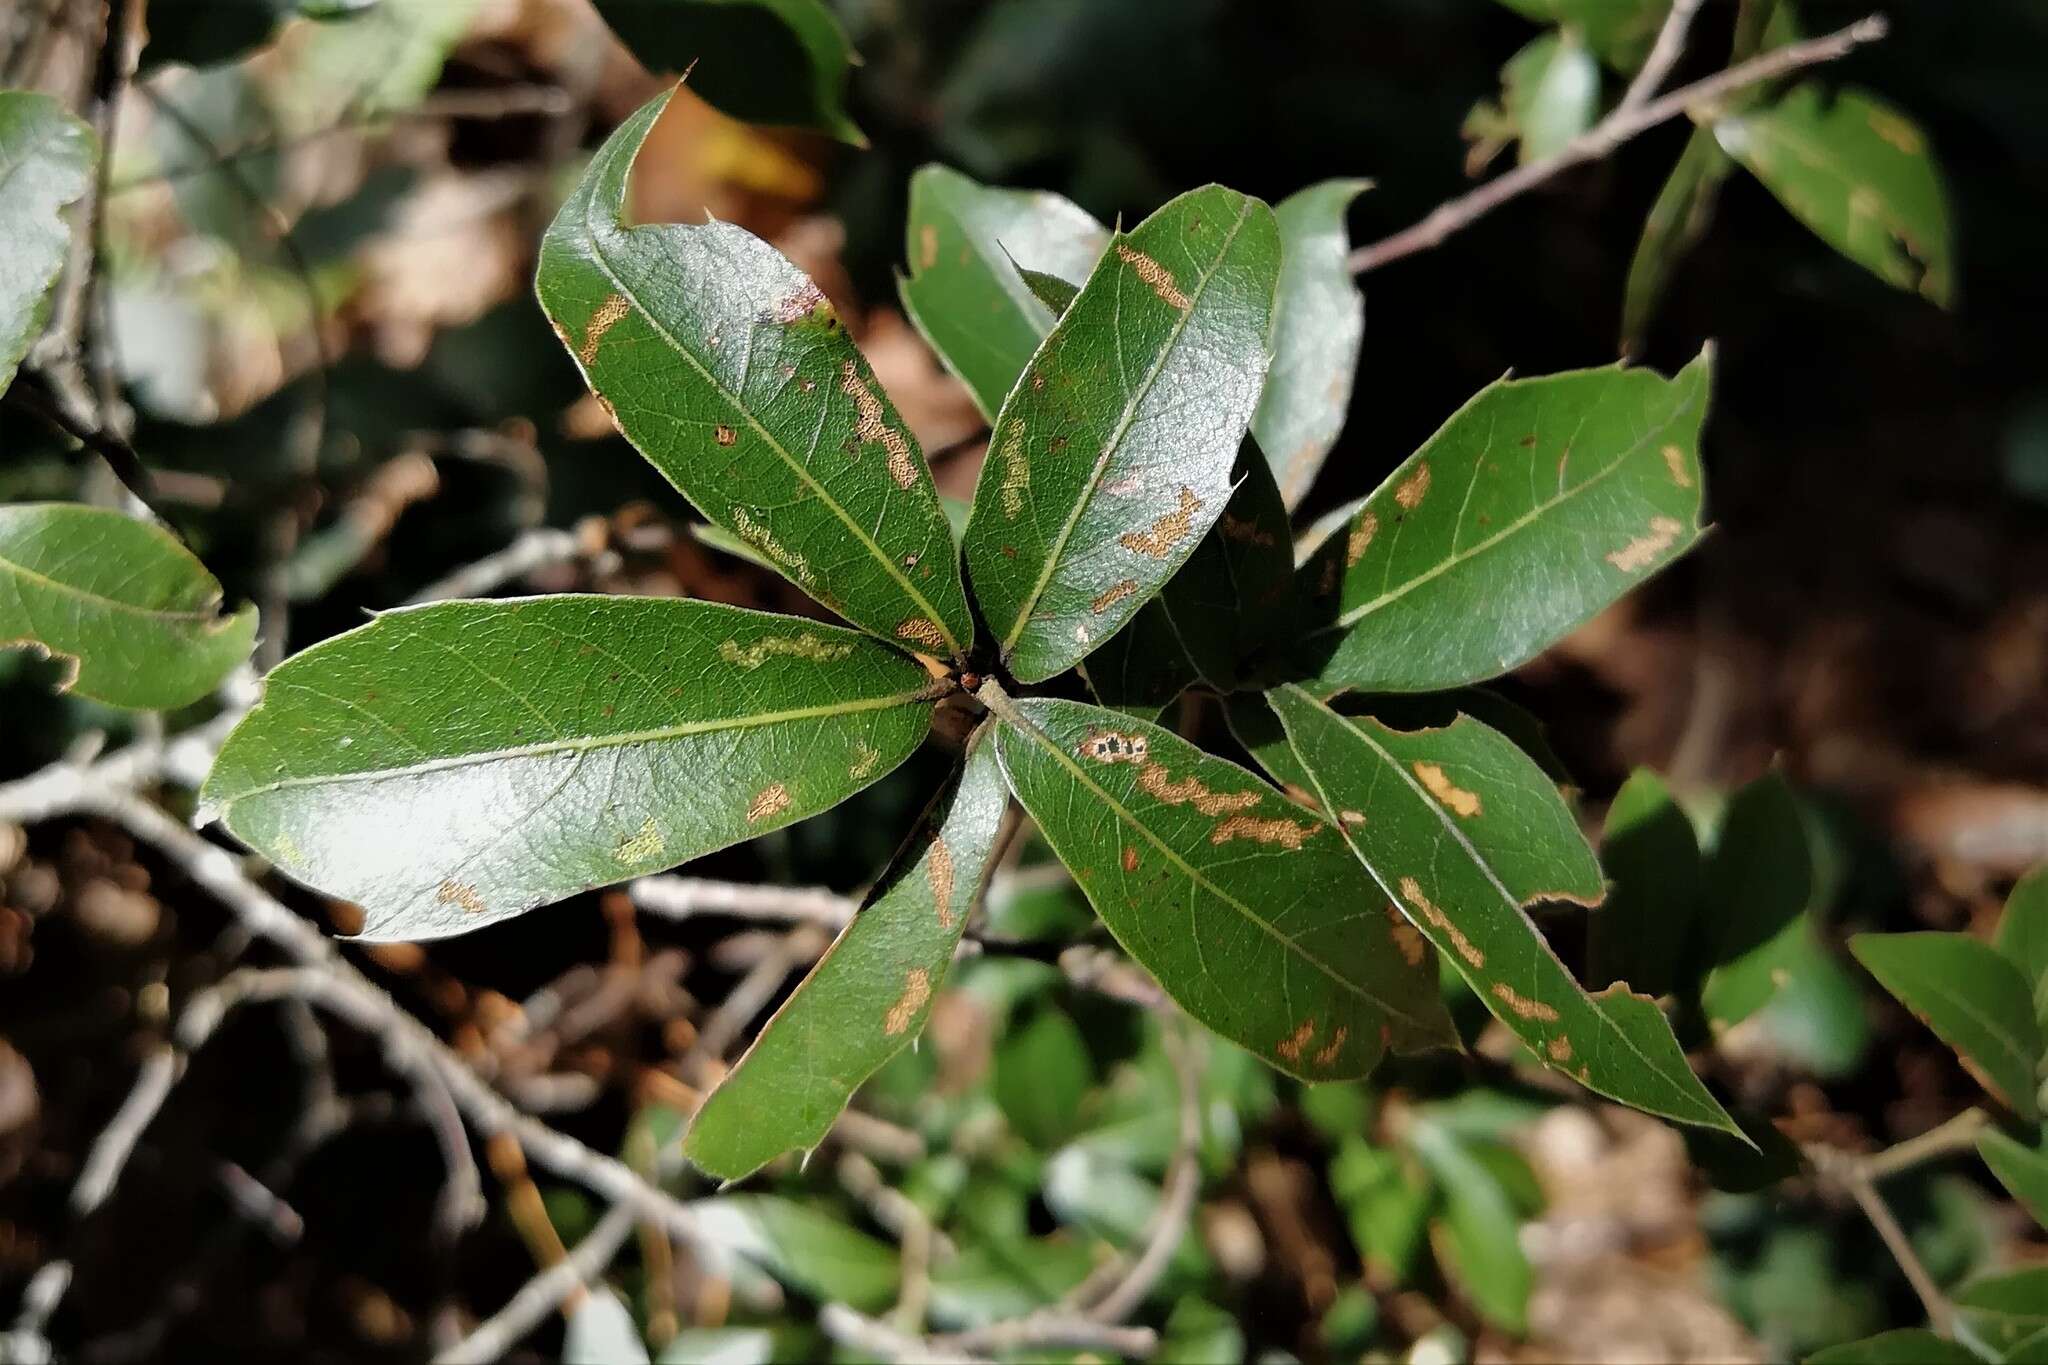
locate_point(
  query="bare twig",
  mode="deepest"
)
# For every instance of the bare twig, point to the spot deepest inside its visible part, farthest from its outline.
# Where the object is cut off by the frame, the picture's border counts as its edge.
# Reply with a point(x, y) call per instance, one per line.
point(749, 997)
point(1051, 1330)
point(1664, 54)
point(1183, 1183)
point(1958, 1134)
point(863, 1333)
point(1618, 127)
point(25, 1343)
point(496, 1335)
point(539, 548)
point(679, 898)
point(1111, 974)
point(116, 1142)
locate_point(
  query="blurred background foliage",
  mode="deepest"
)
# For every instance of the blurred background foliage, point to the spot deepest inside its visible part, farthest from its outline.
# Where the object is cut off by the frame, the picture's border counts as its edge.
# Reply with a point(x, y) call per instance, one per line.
point(318, 242)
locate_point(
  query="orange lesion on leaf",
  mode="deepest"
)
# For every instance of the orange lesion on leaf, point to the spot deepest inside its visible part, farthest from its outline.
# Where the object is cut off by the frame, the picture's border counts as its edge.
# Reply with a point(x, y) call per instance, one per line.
point(1245, 531)
point(872, 429)
point(1158, 540)
point(938, 868)
point(1016, 472)
point(1113, 594)
point(1411, 891)
point(927, 246)
point(917, 989)
point(1559, 1048)
point(1291, 1048)
point(1130, 859)
point(461, 895)
point(761, 538)
point(1360, 540)
point(1154, 274)
point(807, 646)
point(1411, 490)
point(1643, 551)
point(921, 631)
point(770, 801)
point(1674, 460)
point(1288, 834)
point(1460, 801)
point(1336, 1044)
point(1896, 131)
point(1522, 1006)
point(608, 315)
point(724, 434)
point(1351, 818)
point(1407, 937)
point(805, 302)
point(1159, 784)
point(1113, 746)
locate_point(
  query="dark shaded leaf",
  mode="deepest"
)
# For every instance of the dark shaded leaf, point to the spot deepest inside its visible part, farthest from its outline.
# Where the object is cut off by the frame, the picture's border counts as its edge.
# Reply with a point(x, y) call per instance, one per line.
point(1907, 1346)
point(130, 611)
point(1759, 885)
point(1416, 796)
point(1621, 31)
point(868, 997)
point(1973, 999)
point(1112, 457)
point(1246, 908)
point(2023, 936)
point(730, 372)
point(46, 161)
point(1674, 225)
point(452, 765)
point(1318, 327)
point(1653, 858)
point(1537, 504)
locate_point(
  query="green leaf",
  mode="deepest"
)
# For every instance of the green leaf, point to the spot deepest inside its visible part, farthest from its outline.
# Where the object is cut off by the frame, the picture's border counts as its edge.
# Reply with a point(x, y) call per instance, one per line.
point(1859, 174)
point(130, 610)
point(1675, 224)
point(1318, 328)
point(451, 765)
point(2023, 936)
point(2005, 1309)
point(46, 161)
point(1042, 1073)
point(1621, 31)
point(1229, 606)
point(868, 996)
point(1973, 999)
point(2023, 1171)
point(1006, 1277)
point(1759, 883)
point(967, 245)
point(730, 372)
point(1906, 1346)
point(1199, 1333)
point(1479, 1225)
point(741, 1346)
point(1419, 795)
point(764, 61)
point(1550, 93)
point(1387, 1206)
point(1247, 909)
point(802, 1246)
point(1112, 457)
point(1537, 504)
point(598, 1330)
point(1088, 1189)
point(1651, 853)
point(386, 57)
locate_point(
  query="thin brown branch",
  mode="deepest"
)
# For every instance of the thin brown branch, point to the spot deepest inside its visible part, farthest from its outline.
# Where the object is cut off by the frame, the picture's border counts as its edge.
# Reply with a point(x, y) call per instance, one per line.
point(1664, 54)
point(1183, 1183)
point(1958, 1134)
point(1618, 127)
point(1846, 1173)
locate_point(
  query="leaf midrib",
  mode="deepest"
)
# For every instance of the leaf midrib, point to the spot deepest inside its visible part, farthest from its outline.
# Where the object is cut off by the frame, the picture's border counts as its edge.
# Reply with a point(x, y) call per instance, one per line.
point(1038, 737)
point(2017, 1055)
point(803, 473)
point(1507, 897)
point(585, 744)
point(204, 616)
point(1029, 604)
point(1346, 620)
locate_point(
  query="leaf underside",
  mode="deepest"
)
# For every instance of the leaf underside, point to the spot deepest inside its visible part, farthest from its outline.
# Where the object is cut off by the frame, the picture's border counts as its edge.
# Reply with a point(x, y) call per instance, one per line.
point(1318, 329)
point(46, 160)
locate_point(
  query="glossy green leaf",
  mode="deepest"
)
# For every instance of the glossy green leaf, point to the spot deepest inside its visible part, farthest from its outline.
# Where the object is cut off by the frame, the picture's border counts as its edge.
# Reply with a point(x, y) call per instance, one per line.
point(1227, 609)
point(1247, 909)
point(451, 765)
point(1759, 884)
point(765, 61)
point(1549, 94)
point(1906, 1346)
point(134, 616)
point(1112, 457)
point(1674, 225)
point(46, 161)
point(868, 996)
point(802, 1246)
point(2023, 936)
point(1857, 172)
point(967, 245)
point(2023, 1171)
point(1652, 855)
point(1973, 999)
point(2005, 1309)
point(728, 369)
point(1418, 795)
point(1479, 1223)
point(1537, 504)
point(1318, 329)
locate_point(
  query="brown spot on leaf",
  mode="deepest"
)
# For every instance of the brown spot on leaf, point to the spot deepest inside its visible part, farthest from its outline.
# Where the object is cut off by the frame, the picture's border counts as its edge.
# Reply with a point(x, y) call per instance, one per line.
point(872, 430)
point(1336, 1044)
point(1130, 858)
point(865, 757)
point(1896, 131)
point(1559, 1048)
point(1245, 531)
point(1522, 1005)
point(1113, 746)
point(724, 434)
point(608, 315)
point(1158, 541)
point(1362, 531)
point(1273, 830)
point(1528, 441)
point(1153, 274)
point(1674, 460)
point(1191, 789)
point(938, 868)
point(1351, 817)
point(1016, 472)
point(1407, 938)
point(1411, 891)
point(1443, 789)
point(643, 845)
point(1113, 594)
point(1414, 488)
point(762, 539)
point(769, 801)
point(460, 894)
point(807, 646)
point(917, 988)
point(1641, 552)
point(1290, 1048)
point(920, 631)
point(805, 302)
point(927, 246)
